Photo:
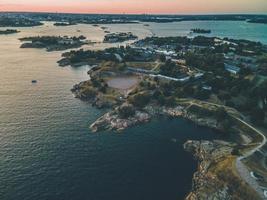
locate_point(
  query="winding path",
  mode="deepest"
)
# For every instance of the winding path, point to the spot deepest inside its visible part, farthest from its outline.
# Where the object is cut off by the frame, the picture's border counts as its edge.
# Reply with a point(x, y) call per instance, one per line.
point(243, 170)
point(240, 166)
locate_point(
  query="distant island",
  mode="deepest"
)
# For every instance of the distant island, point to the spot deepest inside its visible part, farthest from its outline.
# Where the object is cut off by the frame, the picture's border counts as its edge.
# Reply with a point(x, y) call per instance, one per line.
point(119, 37)
point(8, 31)
point(198, 30)
point(35, 19)
point(53, 43)
point(64, 24)
point(18, 22)
point(258, 21)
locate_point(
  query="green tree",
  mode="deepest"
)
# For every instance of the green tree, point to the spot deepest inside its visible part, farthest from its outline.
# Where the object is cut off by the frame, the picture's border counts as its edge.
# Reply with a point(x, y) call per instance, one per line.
point(140, 99)
point(257, 116)
point(126, 110)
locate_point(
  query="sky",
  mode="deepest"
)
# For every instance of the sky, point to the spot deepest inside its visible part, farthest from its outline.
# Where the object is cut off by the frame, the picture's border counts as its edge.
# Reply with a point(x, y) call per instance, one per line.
point(137, 6)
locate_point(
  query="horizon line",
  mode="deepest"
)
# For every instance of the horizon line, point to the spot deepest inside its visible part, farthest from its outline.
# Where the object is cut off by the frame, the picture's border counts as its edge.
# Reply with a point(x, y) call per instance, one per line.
point(174, 14)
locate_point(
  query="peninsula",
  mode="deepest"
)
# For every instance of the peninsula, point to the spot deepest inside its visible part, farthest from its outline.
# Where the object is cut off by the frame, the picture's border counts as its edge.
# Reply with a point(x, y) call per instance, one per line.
point(202, 79)
point(53, 43)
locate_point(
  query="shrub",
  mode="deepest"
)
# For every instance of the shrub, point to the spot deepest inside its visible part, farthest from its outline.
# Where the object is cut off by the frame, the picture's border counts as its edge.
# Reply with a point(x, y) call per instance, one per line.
point(88, 92)
point(140, 99)
point(126, 110)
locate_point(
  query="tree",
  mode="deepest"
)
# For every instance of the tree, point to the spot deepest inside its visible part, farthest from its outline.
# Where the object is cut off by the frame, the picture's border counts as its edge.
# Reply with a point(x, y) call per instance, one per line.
point(168, 69)
point(140, 99)
point(162, 58)
point(221, 114)
point(188, 90)
point(126, 111)
point(178, 48)
point(88, 93)
point(227, 126)
point(257, 116)
point(170, 101)
point(202, 94)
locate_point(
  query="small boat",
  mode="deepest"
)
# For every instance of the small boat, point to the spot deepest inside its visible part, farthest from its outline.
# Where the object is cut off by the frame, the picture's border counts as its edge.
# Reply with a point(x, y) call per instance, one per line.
point(174, 140)
point(34, 81)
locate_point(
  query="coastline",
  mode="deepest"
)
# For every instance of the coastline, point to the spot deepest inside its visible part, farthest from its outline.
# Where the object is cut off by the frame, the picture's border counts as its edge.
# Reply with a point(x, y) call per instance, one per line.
point(203, 180)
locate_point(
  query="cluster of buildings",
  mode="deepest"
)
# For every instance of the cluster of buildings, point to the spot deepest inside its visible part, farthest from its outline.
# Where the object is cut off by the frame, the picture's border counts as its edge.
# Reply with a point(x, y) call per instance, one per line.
point(234, 62)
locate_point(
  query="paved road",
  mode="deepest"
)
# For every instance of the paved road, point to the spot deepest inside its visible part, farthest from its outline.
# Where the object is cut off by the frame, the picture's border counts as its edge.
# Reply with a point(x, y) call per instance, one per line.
point(243, 170)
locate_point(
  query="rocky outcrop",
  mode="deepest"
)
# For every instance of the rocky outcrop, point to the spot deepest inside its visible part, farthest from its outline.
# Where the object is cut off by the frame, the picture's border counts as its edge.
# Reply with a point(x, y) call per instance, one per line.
point(202, 121)
point(112, 121)
point(206, 185)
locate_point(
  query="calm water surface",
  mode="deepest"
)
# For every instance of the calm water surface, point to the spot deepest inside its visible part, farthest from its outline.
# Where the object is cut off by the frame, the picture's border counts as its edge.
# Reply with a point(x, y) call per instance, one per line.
point(231, 29)
point(47, 150)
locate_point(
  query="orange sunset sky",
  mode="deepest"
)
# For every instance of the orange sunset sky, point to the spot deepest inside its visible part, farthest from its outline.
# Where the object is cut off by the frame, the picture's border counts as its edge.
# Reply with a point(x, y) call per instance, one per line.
point(137, 6)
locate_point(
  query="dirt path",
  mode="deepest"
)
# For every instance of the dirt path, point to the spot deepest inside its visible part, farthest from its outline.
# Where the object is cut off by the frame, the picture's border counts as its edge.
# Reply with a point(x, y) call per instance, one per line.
point(243, 170)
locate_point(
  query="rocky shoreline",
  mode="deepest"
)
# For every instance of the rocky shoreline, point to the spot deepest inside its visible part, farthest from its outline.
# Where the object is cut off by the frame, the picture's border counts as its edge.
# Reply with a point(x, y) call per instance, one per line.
point(207, 153)
point(112, 121)
point(216, 179)
point(211, 181)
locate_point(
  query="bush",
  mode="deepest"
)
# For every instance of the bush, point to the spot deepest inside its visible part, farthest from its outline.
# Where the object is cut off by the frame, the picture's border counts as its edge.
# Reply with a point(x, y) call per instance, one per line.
point(88, 92)
point(257, 116)
point(140, 99)
point(126, 111)
point(170, 101)
point(221, 114)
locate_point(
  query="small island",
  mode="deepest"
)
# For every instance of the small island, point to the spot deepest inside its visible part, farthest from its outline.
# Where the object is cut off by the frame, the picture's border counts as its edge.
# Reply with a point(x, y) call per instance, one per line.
point(64, 24)
point(119, 37)
point(202, 31)
point(8, 31)
point(53, 43)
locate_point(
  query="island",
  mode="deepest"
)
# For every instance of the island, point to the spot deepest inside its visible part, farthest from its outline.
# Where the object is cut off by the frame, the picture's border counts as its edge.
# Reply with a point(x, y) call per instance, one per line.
point(8, 31)
point(64, 24)
point(202, 31)
point(119, 37)
point(258, 20)
point(214, 82)
point(53, 43)
point(14, 21)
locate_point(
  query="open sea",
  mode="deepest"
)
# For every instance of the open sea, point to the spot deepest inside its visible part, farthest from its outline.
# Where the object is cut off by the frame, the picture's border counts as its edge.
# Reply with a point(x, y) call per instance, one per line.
point(47, 151)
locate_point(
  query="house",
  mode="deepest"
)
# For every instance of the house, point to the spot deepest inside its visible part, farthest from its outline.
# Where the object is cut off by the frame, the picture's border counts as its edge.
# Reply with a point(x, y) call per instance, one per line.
point(207, 87)
point(231, 68)
point(66, 41)
point(198, 75)
point(118, 56)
